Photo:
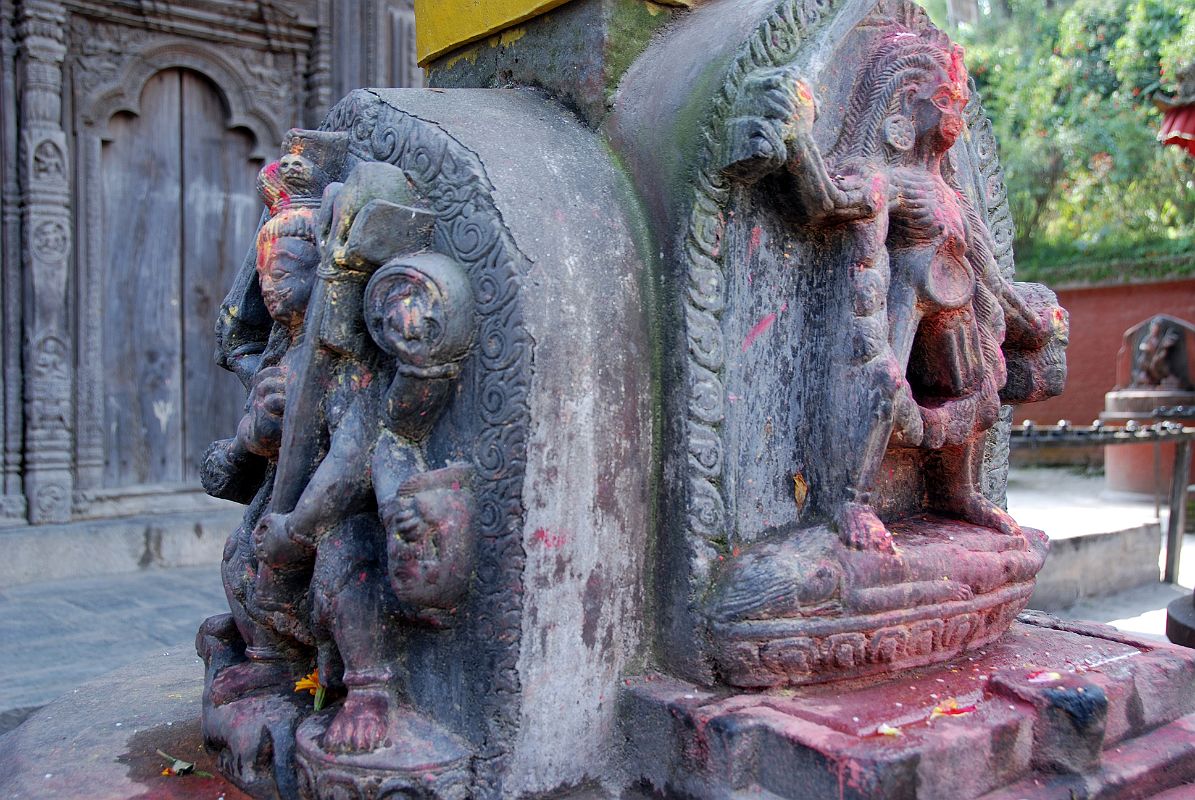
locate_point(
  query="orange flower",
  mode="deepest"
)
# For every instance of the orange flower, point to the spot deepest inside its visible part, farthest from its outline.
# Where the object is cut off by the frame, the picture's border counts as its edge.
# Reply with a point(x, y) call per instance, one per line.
point(950, 708)
point(311, 684)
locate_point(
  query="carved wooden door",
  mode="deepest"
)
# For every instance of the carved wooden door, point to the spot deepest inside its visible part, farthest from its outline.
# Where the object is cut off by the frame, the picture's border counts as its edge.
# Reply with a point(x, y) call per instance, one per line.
point(179, 211)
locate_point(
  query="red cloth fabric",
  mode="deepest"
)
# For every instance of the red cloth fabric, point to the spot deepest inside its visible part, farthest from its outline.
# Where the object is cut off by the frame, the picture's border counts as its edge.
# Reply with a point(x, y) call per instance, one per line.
point(1178, 128)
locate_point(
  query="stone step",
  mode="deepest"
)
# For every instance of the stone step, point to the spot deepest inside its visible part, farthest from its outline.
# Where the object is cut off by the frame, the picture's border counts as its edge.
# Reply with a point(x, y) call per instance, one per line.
point(1162, 760)
point(1051, 698)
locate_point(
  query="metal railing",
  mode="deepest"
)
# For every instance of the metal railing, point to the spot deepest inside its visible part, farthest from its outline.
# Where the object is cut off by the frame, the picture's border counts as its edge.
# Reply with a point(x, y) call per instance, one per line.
point(1166, 431)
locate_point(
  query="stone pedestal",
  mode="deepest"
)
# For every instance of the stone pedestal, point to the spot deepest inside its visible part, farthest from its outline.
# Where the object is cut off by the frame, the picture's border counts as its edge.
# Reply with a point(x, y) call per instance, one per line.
point(1054, 709)
point(1130, 468)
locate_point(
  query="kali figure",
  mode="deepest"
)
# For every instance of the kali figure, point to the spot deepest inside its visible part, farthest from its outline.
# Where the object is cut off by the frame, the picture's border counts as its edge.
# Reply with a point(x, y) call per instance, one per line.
point(930, 308)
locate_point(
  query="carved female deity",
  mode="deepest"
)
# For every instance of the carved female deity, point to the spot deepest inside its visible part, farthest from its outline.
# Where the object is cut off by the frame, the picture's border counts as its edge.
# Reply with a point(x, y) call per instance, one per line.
point(287, 255)
point(930, 308)
point(420, 311)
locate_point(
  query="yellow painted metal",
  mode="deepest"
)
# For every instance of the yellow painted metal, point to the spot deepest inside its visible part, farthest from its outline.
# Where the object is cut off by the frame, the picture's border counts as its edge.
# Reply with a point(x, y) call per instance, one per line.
point(444, 25)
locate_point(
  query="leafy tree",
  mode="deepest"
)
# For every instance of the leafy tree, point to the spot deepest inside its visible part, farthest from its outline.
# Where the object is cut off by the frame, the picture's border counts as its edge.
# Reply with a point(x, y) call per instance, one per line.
point(1069, 86)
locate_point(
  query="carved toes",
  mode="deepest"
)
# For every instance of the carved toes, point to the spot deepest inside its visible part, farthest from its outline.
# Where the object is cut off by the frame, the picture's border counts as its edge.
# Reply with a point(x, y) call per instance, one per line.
point(861, 529)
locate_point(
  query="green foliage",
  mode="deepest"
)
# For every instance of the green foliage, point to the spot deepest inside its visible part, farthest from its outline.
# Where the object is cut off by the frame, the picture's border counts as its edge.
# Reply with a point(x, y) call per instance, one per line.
point(1069, 86)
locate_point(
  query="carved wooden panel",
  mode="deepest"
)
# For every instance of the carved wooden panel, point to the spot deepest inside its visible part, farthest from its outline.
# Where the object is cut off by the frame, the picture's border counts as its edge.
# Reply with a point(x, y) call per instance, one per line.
point(179, 208)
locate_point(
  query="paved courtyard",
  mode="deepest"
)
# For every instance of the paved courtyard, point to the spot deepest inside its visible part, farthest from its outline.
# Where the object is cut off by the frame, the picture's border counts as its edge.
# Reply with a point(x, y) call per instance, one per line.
point(56, 635)
point(59, 634)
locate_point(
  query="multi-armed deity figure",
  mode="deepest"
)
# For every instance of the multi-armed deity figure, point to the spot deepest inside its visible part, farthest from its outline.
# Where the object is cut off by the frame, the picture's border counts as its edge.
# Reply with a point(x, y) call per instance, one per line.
point(931, 310)
point(351, 537)
point(900, 398)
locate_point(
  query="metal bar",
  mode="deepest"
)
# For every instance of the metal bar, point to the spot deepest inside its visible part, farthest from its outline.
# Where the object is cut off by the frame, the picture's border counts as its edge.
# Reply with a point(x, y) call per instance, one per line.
point(1178, 508)
point(1157, 480)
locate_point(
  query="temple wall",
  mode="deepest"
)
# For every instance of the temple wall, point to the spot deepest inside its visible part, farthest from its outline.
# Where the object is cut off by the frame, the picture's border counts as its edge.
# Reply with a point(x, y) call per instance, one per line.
point(130, 137)
point(1099, 317)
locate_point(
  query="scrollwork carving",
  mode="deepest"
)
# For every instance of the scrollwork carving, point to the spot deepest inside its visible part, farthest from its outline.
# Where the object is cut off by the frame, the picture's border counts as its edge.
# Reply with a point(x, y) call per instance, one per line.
point(470, 229)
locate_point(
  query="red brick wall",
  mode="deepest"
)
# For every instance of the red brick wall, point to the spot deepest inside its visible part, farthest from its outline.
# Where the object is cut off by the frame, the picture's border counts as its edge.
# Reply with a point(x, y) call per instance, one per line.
point(1099, 317)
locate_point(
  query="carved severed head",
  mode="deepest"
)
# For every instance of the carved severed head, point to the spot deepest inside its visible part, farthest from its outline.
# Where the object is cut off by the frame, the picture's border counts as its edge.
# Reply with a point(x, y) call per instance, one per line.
point(421, 309)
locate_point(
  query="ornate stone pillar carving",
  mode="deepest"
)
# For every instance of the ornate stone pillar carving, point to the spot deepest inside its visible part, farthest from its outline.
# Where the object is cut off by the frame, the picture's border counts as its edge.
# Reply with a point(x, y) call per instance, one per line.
point(12, 499)
point(46, 246)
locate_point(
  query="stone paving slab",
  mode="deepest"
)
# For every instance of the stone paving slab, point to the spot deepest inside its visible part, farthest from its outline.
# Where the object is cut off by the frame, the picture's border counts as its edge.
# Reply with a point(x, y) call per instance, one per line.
point(57, 635)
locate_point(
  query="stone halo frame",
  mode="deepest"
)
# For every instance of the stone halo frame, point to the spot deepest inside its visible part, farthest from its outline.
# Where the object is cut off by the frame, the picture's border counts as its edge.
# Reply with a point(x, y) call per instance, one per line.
point(776, 42)
point(469, 228)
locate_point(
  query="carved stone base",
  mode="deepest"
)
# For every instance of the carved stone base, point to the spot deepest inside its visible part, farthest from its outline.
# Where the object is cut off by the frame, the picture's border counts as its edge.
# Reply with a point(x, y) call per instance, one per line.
point(425, 761)
point(254, 737)
point(805, 609)
point(1052, 710)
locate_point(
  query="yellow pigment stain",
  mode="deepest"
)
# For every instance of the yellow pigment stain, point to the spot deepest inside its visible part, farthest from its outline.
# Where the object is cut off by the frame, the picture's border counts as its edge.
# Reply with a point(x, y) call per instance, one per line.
point(800, 490)
point(511, 36)
point(469, 55)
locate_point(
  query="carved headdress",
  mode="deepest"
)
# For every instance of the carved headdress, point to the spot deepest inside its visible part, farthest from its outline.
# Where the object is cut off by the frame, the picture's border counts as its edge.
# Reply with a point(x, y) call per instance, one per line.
point(900, 59)
point(293, 186)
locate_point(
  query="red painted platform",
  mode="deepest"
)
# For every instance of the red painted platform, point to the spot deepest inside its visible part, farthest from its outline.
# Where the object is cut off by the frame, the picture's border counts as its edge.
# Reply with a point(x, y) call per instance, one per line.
point(1052, 710)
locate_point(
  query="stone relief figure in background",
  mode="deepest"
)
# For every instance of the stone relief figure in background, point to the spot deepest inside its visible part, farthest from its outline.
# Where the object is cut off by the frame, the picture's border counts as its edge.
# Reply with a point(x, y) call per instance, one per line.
point(1160, 360)
point(930, 307)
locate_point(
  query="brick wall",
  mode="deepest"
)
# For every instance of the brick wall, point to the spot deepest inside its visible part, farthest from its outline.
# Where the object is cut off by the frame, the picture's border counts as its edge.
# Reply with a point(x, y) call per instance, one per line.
point(1099, 317)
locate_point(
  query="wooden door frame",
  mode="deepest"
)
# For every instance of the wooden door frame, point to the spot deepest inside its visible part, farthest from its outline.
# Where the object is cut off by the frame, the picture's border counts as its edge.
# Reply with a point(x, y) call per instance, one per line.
point(96, 102)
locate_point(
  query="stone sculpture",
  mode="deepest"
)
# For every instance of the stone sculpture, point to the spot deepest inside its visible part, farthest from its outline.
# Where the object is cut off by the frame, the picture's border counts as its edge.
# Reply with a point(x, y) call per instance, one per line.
point(593, 430)
point(352, 536)
point(1160, 359)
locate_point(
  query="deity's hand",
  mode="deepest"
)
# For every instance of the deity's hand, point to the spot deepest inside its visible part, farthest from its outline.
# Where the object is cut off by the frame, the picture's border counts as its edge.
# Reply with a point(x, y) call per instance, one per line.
point(802, 109)
point(260, 430)
point(773, 110)
point(274, 544)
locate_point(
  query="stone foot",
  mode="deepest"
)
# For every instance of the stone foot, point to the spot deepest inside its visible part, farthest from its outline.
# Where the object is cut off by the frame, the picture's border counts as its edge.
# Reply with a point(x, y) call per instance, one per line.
point(239, 680)
point(861, 529)
point(364, 722)
point(978, 510)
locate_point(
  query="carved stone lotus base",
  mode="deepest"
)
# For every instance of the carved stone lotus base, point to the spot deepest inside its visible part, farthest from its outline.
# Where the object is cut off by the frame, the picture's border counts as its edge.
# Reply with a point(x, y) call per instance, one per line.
point(425, 761)
point(1052, 710)
point(805, 609)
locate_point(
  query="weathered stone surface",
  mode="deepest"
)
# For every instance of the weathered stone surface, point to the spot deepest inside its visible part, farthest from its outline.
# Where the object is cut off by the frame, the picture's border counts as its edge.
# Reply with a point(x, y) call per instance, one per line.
point(579, 53)
point(100, 740)
point(1050, 697)
point(502, 570)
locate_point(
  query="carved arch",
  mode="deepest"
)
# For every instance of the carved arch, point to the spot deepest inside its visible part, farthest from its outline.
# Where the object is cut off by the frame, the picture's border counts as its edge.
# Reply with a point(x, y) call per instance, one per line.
point(123, 91)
